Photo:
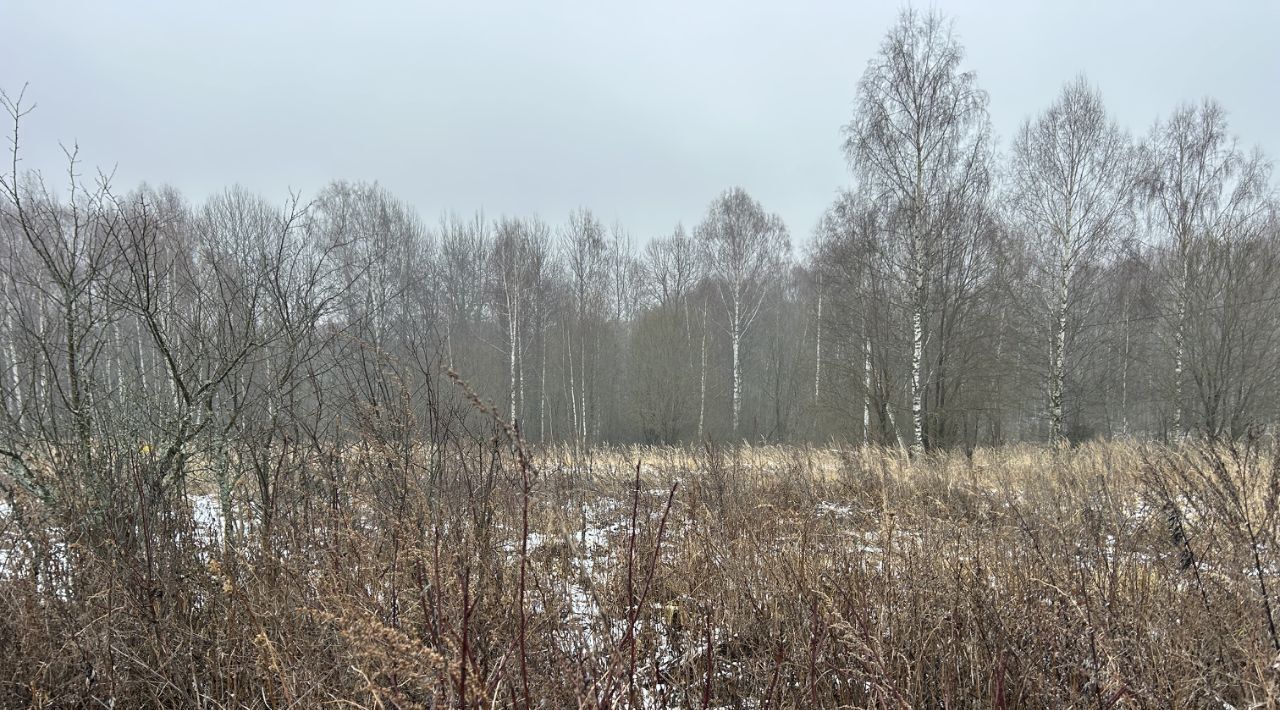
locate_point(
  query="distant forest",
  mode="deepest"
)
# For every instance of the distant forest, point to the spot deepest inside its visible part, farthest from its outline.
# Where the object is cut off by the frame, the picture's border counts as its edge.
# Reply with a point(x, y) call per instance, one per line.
point(1083, 282)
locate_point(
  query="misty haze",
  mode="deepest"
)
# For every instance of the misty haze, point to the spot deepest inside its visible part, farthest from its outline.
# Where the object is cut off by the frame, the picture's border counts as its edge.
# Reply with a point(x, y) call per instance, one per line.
point(724, 356)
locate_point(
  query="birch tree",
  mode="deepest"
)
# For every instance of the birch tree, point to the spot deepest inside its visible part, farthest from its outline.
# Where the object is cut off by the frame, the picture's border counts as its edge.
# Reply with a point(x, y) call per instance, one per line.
point(520, 252)
point(1197, 184)
point(918, 143)
point(852, 260)
point(386, 253)
point(743, 249)
point(73, 260)
point(1072, 172)
point(585, 260)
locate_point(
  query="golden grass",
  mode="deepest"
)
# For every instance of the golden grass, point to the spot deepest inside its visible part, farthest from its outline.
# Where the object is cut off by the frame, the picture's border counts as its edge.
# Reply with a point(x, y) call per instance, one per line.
point(1109, 575)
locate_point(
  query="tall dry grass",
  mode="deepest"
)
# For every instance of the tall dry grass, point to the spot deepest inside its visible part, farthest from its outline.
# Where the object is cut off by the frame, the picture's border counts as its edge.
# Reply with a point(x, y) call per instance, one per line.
point(395, 575)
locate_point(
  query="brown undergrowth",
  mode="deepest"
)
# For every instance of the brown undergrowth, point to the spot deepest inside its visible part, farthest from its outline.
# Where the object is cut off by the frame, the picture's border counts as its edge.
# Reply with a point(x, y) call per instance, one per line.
point(390, 574)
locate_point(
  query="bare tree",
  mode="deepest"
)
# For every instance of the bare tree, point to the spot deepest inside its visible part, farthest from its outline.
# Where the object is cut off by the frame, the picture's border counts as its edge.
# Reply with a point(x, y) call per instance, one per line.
point(1072, 172)
point(1198, 185)
point(517, 264)
point(1232, 334)
point(670, 269)
point(743, 248)
point(857, 267)
point(66, 243)
point(386, 252)
point(918, 142)
point(585, 261)
point(464, 246)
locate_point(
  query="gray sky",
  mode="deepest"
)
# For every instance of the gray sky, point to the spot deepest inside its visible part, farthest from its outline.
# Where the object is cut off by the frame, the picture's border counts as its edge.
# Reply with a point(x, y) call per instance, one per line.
point(641, 112)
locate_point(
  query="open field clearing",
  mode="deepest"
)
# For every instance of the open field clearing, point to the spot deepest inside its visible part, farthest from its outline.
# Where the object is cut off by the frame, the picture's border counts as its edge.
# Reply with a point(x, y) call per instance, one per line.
point(1104, 576)
point(639, 355)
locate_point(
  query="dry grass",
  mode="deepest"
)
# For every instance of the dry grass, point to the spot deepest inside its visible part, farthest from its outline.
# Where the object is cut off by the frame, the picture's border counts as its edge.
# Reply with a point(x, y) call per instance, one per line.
point(1112, 575)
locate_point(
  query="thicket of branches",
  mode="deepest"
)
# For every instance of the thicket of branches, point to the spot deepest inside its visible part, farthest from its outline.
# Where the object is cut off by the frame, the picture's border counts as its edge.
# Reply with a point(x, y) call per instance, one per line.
point(1085, 283)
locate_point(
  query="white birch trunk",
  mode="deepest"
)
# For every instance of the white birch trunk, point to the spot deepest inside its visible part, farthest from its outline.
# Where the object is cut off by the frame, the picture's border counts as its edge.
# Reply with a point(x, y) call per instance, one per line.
point(542, 392)
point(917, 324)
point(118, 358)
point(866, 362)
point(166, 294)
point(1057, 373)
point(995, 421)
point(1179, 353)
point(511, 348)
point(1124, 377)
point(817, 354)
point(736, 338)
point(519, 370)
point(597, 407)
point(573, 394)
point(583, 416)
point(917, 376)
point(42, 376)
point(142, 366)
point(866, 383)
point(702, 395)
point(735, 344)
point(1179, 347)
point(11, 353)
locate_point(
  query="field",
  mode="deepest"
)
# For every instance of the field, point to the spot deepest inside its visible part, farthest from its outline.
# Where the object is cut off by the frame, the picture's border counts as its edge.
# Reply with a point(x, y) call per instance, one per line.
point(482, 575)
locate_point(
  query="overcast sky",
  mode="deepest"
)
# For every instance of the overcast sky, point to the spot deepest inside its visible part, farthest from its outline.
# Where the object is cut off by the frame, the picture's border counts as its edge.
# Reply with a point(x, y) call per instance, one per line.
point(642, 112)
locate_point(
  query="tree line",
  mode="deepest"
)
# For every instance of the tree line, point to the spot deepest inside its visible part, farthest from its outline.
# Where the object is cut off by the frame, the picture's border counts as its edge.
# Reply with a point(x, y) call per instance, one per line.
point(1083, 282)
